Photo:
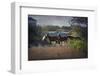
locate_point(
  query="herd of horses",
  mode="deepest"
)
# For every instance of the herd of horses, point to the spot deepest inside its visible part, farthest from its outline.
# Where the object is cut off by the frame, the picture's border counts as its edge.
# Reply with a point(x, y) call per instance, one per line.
point(58, 38)
point(53, 39)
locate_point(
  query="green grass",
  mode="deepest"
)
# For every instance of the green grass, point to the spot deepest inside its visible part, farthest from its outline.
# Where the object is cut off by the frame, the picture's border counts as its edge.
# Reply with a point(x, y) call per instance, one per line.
point(77, 44)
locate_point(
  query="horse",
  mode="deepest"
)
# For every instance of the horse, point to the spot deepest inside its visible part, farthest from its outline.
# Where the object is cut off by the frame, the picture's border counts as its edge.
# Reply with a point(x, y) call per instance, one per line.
point(50, 38)
point(58, 38)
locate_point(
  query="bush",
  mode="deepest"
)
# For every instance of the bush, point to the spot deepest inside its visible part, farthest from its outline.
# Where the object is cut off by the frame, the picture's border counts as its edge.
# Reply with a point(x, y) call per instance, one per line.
point(77, 44)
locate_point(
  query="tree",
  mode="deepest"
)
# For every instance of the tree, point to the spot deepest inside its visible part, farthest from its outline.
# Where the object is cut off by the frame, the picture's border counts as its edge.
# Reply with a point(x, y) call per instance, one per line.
point(82, 31)
point(79, 20)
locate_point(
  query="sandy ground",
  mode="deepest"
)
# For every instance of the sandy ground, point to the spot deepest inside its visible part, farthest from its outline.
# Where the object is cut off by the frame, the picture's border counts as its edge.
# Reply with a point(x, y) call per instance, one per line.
point(58, 52)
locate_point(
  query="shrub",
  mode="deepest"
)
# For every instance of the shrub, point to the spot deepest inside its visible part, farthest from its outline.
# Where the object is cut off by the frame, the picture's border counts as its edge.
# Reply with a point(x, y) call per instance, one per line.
point(77, 44)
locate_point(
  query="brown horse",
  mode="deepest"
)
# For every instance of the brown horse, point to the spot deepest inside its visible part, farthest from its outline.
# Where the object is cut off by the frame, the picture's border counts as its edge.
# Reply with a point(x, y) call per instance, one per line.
point(58, 38)
point(55, 37)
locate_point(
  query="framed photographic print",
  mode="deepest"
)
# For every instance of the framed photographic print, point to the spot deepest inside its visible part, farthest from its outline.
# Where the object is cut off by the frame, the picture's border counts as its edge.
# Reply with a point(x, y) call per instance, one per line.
point(51, 38)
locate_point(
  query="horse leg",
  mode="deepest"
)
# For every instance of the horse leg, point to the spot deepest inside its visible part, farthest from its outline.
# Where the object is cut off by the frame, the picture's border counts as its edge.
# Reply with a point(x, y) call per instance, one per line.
point(60, 43)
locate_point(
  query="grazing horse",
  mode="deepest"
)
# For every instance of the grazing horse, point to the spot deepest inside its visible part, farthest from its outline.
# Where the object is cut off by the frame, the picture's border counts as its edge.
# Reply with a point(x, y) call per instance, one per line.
point(62, 37)
point(55, 37)
point(58, 38)
point(52, 37)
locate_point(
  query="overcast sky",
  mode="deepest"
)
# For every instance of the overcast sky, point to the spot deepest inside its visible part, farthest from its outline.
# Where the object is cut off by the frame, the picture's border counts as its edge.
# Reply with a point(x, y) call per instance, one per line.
point(52, 20)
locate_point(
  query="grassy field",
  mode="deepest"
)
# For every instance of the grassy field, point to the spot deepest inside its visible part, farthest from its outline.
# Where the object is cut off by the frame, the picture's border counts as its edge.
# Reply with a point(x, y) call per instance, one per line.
point(58, 52)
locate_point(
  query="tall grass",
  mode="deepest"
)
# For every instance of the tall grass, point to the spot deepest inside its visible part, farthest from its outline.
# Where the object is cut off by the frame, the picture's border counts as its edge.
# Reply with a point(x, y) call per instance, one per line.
point(77, 44)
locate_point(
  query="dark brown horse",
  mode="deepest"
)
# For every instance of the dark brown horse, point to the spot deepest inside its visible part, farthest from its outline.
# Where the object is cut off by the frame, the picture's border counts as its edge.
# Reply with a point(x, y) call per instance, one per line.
point(55, 37)
point(58, 38)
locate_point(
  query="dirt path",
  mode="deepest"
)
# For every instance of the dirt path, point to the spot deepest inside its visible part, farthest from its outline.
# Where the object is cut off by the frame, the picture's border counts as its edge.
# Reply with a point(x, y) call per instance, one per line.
point(58, 52)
